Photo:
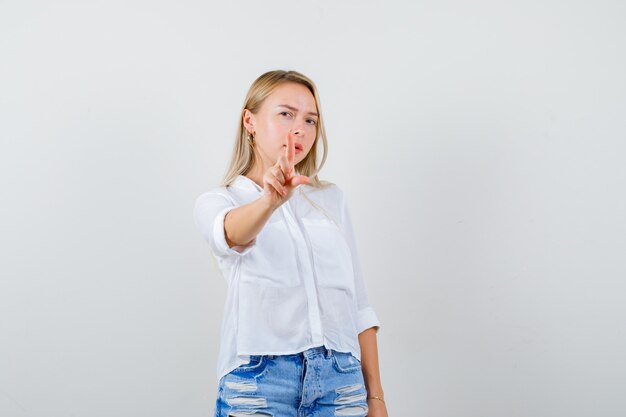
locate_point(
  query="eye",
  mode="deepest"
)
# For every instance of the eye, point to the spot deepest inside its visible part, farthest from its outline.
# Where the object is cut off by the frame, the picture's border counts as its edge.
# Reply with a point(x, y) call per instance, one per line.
point(313, 121)
point(284, 112)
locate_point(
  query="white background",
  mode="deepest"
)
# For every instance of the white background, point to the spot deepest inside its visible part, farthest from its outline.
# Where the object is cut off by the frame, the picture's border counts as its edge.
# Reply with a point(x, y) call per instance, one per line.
point(481, 146)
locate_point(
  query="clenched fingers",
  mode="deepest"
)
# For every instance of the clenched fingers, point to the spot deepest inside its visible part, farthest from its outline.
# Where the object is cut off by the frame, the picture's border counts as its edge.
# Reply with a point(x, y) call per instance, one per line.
point(278, 173)
point(270, 178)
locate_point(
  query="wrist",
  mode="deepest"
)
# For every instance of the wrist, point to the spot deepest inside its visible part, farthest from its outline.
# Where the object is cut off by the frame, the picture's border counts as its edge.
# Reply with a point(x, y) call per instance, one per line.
point(375, 392)
point(267, 205)
point(376, 398)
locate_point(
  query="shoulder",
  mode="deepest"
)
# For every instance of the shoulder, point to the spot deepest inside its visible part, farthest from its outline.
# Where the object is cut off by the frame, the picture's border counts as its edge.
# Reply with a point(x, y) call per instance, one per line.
point(218, 194)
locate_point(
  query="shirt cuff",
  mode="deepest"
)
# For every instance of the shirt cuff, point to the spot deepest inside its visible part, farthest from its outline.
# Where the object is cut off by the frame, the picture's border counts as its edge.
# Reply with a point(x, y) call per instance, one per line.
point(367, 318)
point(219, 237)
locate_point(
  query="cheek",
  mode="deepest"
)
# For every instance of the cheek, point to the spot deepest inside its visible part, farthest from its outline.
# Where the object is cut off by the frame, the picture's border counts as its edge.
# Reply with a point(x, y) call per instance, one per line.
point(276, 137)
point(312, 132)
point(276, 129)
point(309, 145)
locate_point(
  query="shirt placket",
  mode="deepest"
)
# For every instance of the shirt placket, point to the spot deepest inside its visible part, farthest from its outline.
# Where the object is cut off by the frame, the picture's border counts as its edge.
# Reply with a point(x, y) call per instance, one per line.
point(307, 274)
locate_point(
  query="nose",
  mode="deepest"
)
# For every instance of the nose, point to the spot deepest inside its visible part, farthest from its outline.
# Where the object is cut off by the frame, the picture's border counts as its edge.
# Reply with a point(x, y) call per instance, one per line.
point(298, 129)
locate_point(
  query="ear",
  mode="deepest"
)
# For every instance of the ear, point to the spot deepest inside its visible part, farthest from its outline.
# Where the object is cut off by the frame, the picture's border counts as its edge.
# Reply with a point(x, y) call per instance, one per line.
point(248, 120)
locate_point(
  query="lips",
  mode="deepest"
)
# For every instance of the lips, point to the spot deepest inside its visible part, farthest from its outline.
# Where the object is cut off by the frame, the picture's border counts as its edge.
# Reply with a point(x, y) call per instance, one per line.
point(298, 146)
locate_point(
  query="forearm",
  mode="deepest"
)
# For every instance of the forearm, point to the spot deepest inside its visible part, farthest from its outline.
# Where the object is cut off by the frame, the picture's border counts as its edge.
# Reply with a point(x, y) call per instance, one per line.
point(369, 362)
point(244, 223)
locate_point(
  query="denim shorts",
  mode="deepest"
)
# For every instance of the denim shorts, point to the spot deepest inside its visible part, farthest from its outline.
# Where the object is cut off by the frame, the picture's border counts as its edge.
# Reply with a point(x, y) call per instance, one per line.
point(317, 382)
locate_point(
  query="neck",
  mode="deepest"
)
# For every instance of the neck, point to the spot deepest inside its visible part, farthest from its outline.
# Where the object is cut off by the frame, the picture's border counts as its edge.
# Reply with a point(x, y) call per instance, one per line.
point(259, 168)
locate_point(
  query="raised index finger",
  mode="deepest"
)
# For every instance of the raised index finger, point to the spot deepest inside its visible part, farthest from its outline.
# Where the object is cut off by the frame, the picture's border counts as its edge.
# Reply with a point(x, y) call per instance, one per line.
point(290, 152)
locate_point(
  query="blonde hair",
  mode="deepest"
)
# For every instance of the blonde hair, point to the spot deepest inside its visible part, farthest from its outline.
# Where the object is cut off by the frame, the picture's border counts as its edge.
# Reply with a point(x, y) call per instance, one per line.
point(243, 156)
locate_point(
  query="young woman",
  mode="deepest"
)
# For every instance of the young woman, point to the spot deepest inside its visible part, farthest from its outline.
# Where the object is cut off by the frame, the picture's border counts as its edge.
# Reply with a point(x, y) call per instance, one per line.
point(298, 335)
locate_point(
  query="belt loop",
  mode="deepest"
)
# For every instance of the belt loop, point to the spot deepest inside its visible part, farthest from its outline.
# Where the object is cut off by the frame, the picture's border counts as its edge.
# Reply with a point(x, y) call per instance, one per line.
point(329, 353)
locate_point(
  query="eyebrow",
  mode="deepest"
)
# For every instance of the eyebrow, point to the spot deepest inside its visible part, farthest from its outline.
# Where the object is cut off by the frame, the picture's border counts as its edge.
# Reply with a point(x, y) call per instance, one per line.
point(294, 109)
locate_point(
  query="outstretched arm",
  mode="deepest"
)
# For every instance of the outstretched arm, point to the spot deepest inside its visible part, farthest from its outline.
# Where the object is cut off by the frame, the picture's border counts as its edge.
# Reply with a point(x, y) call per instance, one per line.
point(243, 224)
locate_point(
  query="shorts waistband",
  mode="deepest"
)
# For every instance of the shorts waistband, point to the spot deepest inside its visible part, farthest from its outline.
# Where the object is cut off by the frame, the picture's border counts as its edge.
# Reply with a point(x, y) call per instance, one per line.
point(317, 351)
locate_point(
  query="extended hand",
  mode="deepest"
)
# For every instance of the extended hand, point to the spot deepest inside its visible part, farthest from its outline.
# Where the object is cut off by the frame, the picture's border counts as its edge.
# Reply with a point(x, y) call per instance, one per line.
point(278, 182)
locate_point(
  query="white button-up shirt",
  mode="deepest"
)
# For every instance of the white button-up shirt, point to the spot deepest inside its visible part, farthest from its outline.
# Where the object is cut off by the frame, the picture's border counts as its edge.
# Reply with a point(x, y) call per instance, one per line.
point(297, 285)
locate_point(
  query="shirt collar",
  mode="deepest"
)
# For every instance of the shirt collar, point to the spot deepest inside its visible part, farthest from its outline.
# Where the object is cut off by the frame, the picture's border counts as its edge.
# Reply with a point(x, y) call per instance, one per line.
point(246, 183)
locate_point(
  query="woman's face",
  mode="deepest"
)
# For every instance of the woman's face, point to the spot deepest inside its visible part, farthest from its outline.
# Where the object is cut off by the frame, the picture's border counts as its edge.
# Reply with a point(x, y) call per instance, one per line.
point(290, 107)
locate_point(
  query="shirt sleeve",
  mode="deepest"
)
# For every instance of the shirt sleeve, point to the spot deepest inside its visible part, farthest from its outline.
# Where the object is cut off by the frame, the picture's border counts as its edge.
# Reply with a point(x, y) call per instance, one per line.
point(210, 209)
point(366, 316)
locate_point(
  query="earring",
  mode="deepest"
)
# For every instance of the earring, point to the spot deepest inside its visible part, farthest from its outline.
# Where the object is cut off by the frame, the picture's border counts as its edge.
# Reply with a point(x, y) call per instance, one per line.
point(251, 137)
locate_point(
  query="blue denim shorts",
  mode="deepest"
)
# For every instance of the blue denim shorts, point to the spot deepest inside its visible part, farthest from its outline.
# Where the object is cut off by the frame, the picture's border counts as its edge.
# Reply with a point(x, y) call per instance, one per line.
point(319, 381)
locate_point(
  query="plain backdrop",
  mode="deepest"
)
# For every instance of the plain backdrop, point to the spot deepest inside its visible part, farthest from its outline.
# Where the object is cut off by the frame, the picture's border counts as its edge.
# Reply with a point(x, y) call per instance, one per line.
point(481, 146)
